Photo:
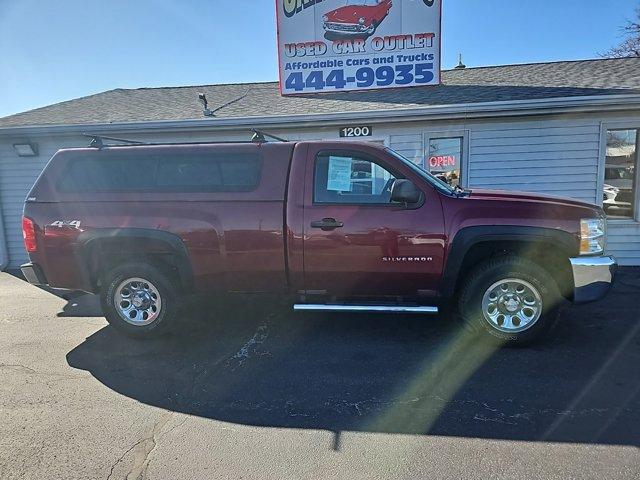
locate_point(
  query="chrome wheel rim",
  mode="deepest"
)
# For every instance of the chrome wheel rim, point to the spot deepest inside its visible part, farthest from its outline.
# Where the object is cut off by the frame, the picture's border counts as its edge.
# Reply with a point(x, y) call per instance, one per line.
point(512, 305)
point(137, 301)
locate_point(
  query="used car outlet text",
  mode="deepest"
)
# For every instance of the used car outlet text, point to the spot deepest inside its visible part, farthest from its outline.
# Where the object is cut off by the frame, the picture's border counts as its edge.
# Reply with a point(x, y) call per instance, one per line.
point(358, 45)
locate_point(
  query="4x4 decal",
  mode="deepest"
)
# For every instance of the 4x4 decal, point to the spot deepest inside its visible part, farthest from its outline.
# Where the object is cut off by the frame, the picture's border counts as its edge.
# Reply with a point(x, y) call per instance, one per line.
point(66, 223)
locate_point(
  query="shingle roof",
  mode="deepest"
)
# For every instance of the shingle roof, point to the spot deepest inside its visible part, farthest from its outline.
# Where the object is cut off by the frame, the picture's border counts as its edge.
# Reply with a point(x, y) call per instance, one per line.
point(471, 85)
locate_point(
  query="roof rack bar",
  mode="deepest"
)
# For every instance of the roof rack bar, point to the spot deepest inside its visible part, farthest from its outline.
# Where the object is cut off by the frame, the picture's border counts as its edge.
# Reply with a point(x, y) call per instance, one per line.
point(97, 140)
point(259, 136)
point(171, 144)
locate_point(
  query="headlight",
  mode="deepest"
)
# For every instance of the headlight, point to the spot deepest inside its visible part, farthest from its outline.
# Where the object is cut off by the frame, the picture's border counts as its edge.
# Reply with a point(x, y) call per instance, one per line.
point(325, 19)
point(593, 236)
point(361, 20)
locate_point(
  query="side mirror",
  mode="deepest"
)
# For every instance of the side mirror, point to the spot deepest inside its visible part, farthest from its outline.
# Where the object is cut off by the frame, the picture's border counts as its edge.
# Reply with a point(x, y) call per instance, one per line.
point(404, 191)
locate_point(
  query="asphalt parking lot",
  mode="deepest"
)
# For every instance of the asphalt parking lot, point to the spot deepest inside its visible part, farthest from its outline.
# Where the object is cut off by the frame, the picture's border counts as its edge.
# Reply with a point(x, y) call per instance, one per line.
point(254, 391)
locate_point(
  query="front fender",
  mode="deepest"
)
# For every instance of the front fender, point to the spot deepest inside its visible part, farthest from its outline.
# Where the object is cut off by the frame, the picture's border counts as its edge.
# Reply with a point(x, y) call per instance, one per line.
point(468, 237)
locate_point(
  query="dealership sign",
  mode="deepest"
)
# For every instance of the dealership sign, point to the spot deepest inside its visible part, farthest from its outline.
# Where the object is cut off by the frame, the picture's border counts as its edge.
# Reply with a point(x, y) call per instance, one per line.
point(340, 45)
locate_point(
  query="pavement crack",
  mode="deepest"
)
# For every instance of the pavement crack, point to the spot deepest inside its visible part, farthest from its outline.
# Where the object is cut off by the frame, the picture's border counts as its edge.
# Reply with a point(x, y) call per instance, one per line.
point(175, 427)
point(491, 409)
point(142, 460)
point(142, 450)
point(18, 367)
point(121, 458)
point(245, 352)
point(482, 418)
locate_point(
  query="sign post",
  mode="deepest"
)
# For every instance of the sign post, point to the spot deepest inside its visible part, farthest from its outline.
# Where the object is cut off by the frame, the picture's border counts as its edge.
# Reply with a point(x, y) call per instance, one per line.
point(342, 45)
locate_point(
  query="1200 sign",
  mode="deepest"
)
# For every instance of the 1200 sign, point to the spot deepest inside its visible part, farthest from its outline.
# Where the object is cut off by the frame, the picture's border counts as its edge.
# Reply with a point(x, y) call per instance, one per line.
point(359, 131)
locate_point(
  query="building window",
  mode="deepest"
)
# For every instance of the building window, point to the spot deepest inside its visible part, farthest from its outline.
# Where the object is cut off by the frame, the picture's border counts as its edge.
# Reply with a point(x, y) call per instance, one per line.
point(351, 179)
point(620, 186)
point(444, 158)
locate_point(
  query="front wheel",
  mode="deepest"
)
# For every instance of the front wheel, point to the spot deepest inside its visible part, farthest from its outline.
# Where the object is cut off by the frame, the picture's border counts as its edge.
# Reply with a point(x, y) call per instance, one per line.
point(511, 299)
point(138, 300)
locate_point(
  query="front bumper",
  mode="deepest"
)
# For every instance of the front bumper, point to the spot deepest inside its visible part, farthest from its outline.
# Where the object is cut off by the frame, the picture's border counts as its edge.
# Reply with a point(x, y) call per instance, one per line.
point(34, 274)
point(592, 277)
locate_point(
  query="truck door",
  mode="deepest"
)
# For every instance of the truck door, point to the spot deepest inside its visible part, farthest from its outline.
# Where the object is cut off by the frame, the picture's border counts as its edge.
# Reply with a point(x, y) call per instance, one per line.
point(356, 241)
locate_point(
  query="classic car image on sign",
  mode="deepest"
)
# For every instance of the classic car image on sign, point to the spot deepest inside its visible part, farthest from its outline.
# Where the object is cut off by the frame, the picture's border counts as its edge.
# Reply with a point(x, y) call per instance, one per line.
point(357, 18)
point(332, 226)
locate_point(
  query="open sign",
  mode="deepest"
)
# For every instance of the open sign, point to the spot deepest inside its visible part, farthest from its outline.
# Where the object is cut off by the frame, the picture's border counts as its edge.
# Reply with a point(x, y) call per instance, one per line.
point(442, 161)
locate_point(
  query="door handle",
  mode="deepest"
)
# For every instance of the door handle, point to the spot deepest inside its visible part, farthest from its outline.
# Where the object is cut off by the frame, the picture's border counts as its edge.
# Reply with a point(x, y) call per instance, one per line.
point(327, 224)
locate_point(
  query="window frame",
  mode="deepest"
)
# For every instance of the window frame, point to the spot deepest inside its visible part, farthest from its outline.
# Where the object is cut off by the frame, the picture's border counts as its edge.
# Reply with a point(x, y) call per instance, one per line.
point(602, 162)
point(464, 157)
point(361, 156)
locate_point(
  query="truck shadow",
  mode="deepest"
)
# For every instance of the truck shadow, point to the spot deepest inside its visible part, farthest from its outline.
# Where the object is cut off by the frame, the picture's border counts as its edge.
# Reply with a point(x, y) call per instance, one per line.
point(80, 304)
point(391, 374)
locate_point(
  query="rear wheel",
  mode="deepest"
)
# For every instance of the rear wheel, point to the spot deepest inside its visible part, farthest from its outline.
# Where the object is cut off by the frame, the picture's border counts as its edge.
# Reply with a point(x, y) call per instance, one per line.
point(510, 299)
point(138, 300)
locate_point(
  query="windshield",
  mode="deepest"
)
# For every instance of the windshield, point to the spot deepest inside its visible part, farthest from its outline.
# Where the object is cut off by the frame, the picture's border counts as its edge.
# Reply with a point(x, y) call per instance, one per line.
point(436, 182)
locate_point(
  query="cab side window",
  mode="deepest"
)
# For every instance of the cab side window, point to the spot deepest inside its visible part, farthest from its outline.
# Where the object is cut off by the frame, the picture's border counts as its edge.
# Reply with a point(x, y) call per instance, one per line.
point(351, 179)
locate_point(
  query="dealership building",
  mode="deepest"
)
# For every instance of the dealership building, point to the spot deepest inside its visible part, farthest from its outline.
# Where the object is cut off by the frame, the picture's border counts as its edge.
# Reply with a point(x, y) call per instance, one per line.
point(564, 128)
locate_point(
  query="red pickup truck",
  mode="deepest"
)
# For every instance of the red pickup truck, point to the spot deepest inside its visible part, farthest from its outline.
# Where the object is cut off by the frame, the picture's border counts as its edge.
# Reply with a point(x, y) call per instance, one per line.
point(335, 226)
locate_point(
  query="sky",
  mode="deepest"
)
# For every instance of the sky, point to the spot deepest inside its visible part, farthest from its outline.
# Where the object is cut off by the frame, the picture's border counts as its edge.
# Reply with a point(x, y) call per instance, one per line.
point(52, 51)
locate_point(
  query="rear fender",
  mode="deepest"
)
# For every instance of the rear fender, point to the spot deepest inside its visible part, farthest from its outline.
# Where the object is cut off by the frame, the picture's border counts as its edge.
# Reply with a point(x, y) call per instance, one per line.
point(100, 246)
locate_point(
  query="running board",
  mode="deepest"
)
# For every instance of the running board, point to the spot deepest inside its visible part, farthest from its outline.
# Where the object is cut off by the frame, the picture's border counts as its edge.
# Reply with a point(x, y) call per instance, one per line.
point(305, 307)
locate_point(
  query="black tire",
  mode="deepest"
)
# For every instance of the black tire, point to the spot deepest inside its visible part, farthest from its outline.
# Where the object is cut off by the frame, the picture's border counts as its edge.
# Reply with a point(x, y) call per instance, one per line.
point(158, 281)
point(486, 275)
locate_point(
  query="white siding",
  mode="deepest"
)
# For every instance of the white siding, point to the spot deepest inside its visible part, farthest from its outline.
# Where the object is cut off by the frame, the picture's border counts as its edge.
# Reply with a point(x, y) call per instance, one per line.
point(623, 241)
point(559, 158)
point(17, 175)
point(409, 145)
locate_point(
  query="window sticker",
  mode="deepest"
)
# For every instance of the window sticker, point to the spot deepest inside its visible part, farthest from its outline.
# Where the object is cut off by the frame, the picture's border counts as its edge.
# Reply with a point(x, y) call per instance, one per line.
point(339, 178)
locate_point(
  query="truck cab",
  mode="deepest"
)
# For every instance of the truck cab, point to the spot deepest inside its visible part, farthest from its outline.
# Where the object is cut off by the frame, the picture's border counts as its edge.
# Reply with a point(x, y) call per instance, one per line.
point(333, 226)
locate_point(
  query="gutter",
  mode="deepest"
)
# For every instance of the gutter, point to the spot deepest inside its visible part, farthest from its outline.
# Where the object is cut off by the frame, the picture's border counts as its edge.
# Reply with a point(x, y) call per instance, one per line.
point(547, 106)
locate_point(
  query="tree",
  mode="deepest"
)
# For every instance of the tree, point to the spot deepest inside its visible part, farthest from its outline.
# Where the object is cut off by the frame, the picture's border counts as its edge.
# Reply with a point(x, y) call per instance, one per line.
point(630, 47)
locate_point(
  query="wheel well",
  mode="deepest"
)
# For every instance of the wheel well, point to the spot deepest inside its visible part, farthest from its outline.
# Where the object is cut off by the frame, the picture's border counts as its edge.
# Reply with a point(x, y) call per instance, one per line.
point(547, 255)
point(103, 255)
